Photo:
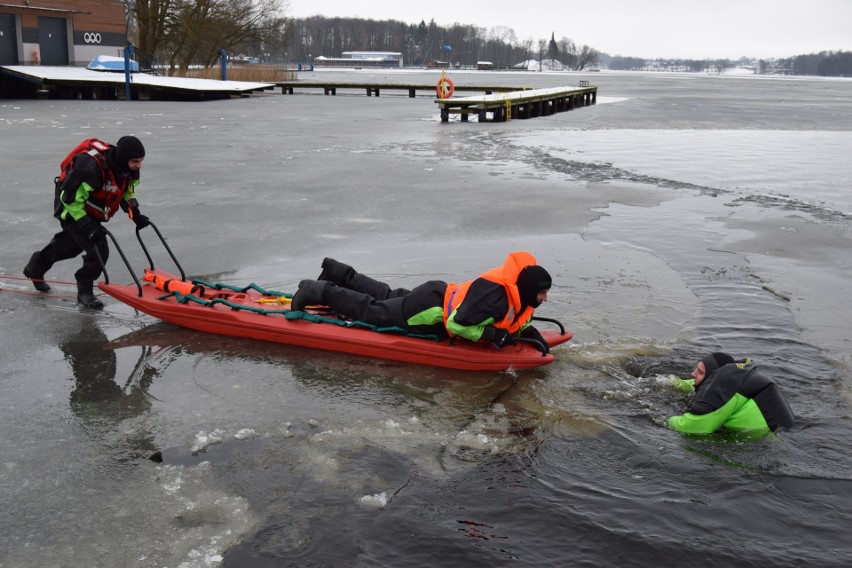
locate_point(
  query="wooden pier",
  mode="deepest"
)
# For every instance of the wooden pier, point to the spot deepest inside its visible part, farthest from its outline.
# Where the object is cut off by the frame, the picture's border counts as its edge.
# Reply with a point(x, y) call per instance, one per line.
point(374, 89)
point(518, 104)
point(497, 104)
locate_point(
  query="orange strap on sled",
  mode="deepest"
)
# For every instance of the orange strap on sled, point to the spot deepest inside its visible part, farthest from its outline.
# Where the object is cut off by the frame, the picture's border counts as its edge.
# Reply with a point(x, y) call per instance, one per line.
point(171, 285)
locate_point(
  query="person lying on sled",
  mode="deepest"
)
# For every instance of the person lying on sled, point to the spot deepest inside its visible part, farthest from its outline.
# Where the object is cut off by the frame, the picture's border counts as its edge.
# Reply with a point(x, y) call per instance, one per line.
point(734, 395)
point(497, 306)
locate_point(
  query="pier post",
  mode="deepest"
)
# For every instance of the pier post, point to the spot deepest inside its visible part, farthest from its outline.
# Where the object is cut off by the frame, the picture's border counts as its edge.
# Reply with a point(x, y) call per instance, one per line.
point(128, 53)
point(223, 63)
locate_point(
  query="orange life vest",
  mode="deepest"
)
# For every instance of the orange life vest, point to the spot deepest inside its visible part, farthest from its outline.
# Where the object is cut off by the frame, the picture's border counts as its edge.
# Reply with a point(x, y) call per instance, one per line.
point(507, 276)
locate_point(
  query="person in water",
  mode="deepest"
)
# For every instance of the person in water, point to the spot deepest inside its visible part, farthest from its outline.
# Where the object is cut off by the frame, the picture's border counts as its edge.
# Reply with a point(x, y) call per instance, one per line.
point(497, 306)
point(734, 395)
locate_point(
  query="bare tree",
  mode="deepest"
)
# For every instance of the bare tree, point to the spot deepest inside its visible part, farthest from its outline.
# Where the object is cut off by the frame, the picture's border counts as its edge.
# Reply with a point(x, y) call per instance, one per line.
point(568, 50)
point(190, 32)
point(542, 47)
point(152, 17)
point(586, 57)
point(526, 48)
point(186, 32)
point(418, 43)
point(275, 39)
point(501, 39)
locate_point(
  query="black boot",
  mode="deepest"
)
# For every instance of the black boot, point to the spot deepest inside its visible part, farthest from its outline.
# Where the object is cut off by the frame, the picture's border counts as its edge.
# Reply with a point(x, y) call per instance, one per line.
point(36, 275)
point(86, 295)
point(310, 292)
point(336, 272)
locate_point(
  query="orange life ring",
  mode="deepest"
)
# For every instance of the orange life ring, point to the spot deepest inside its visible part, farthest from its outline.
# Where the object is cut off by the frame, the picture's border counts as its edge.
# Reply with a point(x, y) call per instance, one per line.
point(445, 88)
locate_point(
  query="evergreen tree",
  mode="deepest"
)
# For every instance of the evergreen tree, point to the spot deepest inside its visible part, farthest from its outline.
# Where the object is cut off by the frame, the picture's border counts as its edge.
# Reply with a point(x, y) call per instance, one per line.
point(553, 47)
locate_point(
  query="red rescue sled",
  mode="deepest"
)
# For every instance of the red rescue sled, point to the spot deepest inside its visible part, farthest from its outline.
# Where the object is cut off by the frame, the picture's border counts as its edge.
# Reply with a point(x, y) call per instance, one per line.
point(245, 313)
point(273, 325)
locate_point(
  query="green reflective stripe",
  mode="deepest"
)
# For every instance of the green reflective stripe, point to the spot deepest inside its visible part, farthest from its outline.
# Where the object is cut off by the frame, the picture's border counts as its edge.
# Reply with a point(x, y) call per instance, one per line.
point(76, 209)
point(130, 190)
point(472, 332)
point(430, 316)
point(739, 413)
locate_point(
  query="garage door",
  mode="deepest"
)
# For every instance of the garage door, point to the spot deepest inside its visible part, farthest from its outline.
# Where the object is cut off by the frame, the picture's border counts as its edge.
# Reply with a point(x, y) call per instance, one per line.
point(53, 41)
point(8, 40)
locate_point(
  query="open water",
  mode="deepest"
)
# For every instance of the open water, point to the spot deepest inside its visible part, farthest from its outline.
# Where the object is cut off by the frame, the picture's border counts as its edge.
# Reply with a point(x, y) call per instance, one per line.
point(682, 214)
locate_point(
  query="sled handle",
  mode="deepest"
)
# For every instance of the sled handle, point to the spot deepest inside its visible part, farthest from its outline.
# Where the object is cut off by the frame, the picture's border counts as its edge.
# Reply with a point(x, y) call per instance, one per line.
point(551, 320)
point(124, 258)
point(544, 348)
point(165, 244)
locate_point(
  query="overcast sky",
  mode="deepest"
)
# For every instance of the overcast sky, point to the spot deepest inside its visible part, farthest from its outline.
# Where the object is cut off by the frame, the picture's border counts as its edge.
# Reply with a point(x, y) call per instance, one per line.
point(696, 29)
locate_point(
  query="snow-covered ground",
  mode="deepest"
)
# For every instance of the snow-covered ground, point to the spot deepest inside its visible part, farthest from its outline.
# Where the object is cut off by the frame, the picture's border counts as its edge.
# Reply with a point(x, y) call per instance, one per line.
point(81, 74)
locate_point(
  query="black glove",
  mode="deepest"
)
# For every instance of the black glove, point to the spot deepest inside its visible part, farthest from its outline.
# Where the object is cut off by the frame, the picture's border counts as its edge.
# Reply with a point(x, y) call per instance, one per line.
point(141, 221)
point(89, 230)
point(501, 337)
point(532, 333)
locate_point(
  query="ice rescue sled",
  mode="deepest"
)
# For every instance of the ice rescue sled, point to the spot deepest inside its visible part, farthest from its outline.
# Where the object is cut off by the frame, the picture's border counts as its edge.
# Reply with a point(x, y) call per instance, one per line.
point(255, 313)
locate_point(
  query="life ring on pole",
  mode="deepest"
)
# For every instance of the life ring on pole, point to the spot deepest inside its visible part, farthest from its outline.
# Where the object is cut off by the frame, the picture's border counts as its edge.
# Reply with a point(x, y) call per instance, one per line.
point(445, 88)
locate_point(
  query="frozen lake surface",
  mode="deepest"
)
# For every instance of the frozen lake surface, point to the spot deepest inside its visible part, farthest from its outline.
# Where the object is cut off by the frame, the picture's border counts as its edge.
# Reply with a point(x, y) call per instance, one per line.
point(688, 214)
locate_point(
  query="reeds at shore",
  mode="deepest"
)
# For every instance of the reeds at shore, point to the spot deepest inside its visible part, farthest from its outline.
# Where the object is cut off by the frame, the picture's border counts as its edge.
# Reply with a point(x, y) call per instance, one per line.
point(259, 73)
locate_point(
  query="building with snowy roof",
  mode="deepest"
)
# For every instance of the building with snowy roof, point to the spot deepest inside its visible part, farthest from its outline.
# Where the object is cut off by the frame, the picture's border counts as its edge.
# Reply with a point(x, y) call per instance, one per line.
point(359, 59)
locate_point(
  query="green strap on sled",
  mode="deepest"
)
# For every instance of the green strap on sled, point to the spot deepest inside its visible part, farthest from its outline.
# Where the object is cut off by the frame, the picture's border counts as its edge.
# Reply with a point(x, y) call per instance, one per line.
point(251, 286)
point(288, 314)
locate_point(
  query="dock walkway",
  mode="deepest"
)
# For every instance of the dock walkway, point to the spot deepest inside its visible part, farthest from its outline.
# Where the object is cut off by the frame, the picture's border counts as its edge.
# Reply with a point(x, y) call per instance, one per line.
point(374, 89)
point(518, 104)
point(66, 82)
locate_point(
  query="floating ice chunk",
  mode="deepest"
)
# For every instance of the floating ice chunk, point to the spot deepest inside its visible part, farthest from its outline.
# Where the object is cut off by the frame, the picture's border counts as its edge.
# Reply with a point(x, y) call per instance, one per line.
point(173, 485)
point(202, 558)
point(244, 433)
point(203, 439)
point(472, 440)
point(378, 501)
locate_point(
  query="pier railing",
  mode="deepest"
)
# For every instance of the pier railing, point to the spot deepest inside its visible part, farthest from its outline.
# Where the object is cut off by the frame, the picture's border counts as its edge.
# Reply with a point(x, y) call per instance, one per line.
point(374, 89)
